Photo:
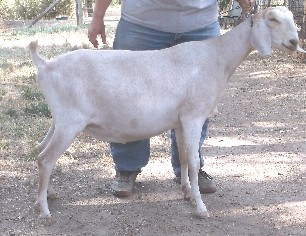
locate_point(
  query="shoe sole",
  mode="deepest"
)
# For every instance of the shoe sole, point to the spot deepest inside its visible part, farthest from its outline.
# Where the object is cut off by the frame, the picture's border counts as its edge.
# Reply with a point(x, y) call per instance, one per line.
point(122, 193)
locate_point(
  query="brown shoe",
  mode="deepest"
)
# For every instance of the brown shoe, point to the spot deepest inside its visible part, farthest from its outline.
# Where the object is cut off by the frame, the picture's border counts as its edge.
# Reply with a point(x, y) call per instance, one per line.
point(124, 183)
point(206, 183)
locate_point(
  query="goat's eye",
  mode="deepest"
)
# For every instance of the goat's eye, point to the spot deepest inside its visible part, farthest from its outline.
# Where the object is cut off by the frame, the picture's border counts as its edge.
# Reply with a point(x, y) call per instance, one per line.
point(274, 20)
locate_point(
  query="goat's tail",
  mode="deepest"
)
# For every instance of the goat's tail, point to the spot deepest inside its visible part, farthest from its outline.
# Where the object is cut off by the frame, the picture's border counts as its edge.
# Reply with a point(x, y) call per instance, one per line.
point(37, 59)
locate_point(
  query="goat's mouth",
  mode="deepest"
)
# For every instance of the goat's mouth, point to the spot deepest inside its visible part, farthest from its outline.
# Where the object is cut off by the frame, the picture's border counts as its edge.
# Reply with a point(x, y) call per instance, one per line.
point(291, 48)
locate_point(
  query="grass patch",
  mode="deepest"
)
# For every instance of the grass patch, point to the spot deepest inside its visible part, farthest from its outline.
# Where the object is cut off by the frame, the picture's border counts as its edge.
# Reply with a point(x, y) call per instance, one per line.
point(4, 144)
point(32, 156)
point(26, 63)
point(40, 109)
point(12, 113)
point(48, 30)
point(4, 65)
point(29, 93)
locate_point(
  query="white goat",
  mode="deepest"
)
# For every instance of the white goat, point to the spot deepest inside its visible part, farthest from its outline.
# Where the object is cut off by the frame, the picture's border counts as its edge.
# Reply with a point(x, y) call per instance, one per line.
point(122, 96)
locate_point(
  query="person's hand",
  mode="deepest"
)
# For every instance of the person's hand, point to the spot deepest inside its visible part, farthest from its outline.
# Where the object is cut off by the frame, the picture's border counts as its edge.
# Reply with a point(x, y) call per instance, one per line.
point(96, 28)
point(246, 5)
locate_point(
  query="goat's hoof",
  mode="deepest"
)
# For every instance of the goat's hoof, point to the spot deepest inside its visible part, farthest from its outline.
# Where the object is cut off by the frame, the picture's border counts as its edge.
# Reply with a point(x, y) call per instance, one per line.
point(202, 214)
point(46, 220)
point(44, 216)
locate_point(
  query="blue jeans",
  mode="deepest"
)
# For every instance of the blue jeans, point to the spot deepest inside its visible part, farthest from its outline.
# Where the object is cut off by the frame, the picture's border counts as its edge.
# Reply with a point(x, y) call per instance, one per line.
point(133, 156)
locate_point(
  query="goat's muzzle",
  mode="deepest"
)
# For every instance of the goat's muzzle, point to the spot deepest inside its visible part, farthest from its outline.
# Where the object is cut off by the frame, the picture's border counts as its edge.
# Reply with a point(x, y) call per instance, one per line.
point(291, 45)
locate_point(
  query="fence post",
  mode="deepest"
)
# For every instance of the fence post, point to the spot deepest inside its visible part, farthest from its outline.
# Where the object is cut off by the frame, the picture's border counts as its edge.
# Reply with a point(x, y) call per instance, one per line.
point(79, 12)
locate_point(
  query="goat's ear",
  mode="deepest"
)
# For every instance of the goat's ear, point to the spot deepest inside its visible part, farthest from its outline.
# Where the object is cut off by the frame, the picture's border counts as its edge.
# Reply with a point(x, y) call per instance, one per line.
point(261, 37)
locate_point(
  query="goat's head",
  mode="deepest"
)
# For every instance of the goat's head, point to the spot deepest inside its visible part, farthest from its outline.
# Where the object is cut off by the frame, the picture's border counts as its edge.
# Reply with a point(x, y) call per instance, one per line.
point(274, 27)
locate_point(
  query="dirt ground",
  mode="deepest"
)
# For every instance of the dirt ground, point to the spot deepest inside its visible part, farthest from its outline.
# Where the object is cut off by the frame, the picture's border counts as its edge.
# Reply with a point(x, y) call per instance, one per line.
point(255, 150)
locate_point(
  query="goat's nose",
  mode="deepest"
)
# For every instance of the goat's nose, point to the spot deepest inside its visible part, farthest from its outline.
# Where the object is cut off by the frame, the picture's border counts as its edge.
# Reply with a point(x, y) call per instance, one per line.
point(294, 42)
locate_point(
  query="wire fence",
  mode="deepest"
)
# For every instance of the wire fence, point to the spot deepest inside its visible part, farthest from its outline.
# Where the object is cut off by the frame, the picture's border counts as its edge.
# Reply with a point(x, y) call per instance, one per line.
point(230, 14)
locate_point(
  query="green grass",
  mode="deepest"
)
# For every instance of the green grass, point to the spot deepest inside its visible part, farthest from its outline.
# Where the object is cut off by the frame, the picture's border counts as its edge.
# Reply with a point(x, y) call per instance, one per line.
point(48, 30)
point(4, 144)
point(40, 109)
point(31, 93)
point(32, 155)
point(5, 65)
point(11, 112)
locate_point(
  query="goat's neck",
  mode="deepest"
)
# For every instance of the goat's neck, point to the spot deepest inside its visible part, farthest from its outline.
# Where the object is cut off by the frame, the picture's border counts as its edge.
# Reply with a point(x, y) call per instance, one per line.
point(234, 46)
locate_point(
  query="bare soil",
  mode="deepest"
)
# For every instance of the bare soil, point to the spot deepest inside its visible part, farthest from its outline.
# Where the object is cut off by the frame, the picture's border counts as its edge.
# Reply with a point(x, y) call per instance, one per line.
point(255, 150)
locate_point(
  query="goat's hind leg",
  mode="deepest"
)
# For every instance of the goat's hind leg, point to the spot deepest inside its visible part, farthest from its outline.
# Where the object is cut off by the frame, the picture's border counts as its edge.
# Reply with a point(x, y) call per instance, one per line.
point(61, 139)
point(51, 193)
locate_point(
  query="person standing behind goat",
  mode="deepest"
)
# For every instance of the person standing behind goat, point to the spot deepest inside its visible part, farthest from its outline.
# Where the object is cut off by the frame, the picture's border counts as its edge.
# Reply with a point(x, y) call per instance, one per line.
point(154, 25)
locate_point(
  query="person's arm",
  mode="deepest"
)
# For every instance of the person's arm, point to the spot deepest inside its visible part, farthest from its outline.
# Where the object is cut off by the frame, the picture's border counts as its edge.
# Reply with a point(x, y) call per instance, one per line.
point(96, 26)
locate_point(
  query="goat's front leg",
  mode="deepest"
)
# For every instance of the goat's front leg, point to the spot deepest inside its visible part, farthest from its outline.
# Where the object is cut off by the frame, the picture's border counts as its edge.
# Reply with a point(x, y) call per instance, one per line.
point(191, 137)
point(193, 168)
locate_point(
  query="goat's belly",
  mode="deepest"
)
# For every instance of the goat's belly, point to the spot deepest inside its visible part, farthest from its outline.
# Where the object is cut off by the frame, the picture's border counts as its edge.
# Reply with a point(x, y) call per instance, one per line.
point(124, 134)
